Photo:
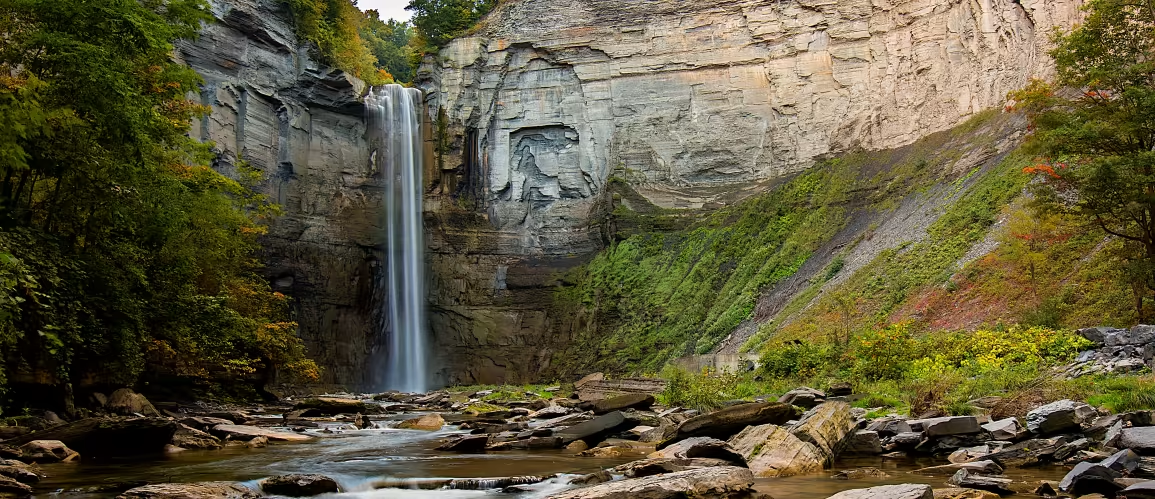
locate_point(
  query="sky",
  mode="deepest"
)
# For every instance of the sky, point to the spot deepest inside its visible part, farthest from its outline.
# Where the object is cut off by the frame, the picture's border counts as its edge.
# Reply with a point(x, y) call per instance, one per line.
point(389, 9)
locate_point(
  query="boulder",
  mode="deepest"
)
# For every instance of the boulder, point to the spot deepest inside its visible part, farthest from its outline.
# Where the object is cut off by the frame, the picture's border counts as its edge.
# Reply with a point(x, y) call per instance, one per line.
point(203, 490)
point(1070, 448)
point(1027, 452)
point(804, 397)
point(1124, 461)
point(494, 483)
point(840, 389)
point(1090, 478)
point(649, 466)
point(1140, 439)
point(622, 402)
point(428, 422)
point(299, 485)
point(109, 437)
point(467, 443)
point(699, 447)
point(728, 422)
point(889, 427)
point(246, 433)
point(13, 488)
point(1142, 490)
point(129, 403)
point(597, 429)
point(330, 406)
point(592, 478)
point(968, 480)
point(864, 442)
point(772, 451)
point(968, 454)
point(1058, 416)
point(950, 425)
point(19, 471)
point(47, 451)
point(720, 482)
point(187, 437)
point(904, 491)
point(826, 427)
point(1005, 429)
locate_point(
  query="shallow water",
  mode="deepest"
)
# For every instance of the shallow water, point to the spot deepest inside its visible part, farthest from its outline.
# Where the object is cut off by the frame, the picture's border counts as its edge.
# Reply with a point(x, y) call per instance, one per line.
point(359, 458)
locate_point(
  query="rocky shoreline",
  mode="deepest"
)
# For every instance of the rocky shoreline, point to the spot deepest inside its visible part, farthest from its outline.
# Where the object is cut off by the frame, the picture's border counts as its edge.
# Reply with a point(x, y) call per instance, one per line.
point(680, 452)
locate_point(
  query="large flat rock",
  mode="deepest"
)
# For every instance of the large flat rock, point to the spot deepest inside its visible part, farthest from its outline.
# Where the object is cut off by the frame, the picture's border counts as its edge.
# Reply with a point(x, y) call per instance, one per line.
point(244, 432)
point(719, 482)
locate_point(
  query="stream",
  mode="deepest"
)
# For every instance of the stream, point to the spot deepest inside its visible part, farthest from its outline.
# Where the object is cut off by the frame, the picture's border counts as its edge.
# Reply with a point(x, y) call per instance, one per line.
point(360, 459)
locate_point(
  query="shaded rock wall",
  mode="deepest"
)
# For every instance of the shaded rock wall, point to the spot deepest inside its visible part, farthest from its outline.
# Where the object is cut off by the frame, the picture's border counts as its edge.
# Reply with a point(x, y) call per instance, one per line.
point(690, 101)
point(302, 124)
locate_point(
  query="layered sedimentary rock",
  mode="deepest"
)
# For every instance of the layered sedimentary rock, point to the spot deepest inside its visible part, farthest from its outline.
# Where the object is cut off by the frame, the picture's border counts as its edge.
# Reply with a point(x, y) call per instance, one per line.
point(302, 125)
point(550, 100)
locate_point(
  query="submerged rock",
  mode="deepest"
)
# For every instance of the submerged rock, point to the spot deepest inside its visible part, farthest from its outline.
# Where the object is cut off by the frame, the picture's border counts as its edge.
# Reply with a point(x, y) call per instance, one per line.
point(904, 491)
point(494, 483)
point(860, 473)
point(299, 485)
point(203, 490)
point(721, 482)
point(657, 466)
point(968, 480)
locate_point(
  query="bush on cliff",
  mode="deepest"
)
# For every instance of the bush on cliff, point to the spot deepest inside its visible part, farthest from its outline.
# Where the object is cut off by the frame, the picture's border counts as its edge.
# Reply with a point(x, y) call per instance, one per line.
point(122, 252)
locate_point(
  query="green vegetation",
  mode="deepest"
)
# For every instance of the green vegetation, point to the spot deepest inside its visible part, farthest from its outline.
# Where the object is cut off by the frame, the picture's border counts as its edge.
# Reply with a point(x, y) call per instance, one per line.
point(442, 20)
point(1098, 147)
point(393, 44)
point(122, 253)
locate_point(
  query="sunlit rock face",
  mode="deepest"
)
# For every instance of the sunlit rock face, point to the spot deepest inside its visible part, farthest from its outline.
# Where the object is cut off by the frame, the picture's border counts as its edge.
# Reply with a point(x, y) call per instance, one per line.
point(688, 101)
point(302, 125)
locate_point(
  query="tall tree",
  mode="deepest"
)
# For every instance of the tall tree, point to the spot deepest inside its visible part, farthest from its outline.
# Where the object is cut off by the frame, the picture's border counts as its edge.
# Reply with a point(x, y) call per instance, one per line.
point(122, 251)
point(390, 41)
point(1095, 128)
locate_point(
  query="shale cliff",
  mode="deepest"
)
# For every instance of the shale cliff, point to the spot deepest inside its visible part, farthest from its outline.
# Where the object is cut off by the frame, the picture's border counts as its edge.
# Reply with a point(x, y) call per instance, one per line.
point(302, 124)
point(689, 102)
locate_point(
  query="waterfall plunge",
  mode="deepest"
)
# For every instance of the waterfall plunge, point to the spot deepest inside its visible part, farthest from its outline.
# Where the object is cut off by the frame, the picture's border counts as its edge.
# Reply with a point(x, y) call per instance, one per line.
point(394, 118)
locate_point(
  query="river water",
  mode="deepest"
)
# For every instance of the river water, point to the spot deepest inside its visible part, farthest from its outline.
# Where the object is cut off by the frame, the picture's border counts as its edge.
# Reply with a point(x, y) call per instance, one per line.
point(362, 459)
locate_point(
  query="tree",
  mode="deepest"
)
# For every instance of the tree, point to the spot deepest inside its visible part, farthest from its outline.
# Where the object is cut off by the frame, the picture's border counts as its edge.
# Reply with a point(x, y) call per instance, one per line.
point(390, 41)
point(1094, 129)
point(442, 20)
point(122, 252)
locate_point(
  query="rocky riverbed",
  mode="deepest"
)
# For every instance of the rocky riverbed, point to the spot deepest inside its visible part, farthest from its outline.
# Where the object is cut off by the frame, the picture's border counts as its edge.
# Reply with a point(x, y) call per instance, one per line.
point(593, 444)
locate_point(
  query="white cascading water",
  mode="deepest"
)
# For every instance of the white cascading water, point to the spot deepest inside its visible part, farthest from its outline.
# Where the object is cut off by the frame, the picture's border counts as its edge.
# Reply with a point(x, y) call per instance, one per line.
point(394, 115)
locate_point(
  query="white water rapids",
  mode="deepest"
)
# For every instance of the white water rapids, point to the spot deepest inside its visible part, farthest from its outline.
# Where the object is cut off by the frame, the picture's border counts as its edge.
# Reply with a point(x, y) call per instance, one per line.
point(394, 116)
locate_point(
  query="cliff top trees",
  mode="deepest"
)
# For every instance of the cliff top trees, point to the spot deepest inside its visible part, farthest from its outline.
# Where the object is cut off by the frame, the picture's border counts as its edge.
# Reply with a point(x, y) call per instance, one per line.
point(442, 20)
point(121, 251)
point(1097, 135)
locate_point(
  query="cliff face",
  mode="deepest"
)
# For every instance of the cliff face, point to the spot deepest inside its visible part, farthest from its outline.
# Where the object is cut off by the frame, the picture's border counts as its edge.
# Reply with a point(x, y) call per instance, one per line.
point(689, 102)
point(302, 124)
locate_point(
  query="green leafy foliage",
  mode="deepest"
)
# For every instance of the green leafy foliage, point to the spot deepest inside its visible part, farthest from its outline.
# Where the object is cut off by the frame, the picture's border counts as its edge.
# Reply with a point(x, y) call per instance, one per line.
point(442, 20)
point(393, 43)
point(1096, 140)
point(122, 252)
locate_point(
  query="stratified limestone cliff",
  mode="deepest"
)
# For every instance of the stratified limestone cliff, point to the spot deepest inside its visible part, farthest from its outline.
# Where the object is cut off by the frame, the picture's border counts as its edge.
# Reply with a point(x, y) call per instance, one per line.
point(302, 124)
point(688, 101)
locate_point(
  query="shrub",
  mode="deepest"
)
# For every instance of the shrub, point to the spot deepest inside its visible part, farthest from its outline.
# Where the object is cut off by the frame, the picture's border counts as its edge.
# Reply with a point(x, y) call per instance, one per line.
point(883, 354)
point(796, 360)
point(704, 390)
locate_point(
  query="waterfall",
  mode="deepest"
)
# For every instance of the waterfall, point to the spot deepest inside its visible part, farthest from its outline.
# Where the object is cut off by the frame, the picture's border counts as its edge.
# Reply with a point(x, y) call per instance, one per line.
point(394, 118)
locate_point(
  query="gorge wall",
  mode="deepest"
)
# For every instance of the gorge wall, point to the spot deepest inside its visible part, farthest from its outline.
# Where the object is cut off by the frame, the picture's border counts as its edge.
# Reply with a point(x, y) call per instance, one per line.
point(302, 124)
point(548, 100)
